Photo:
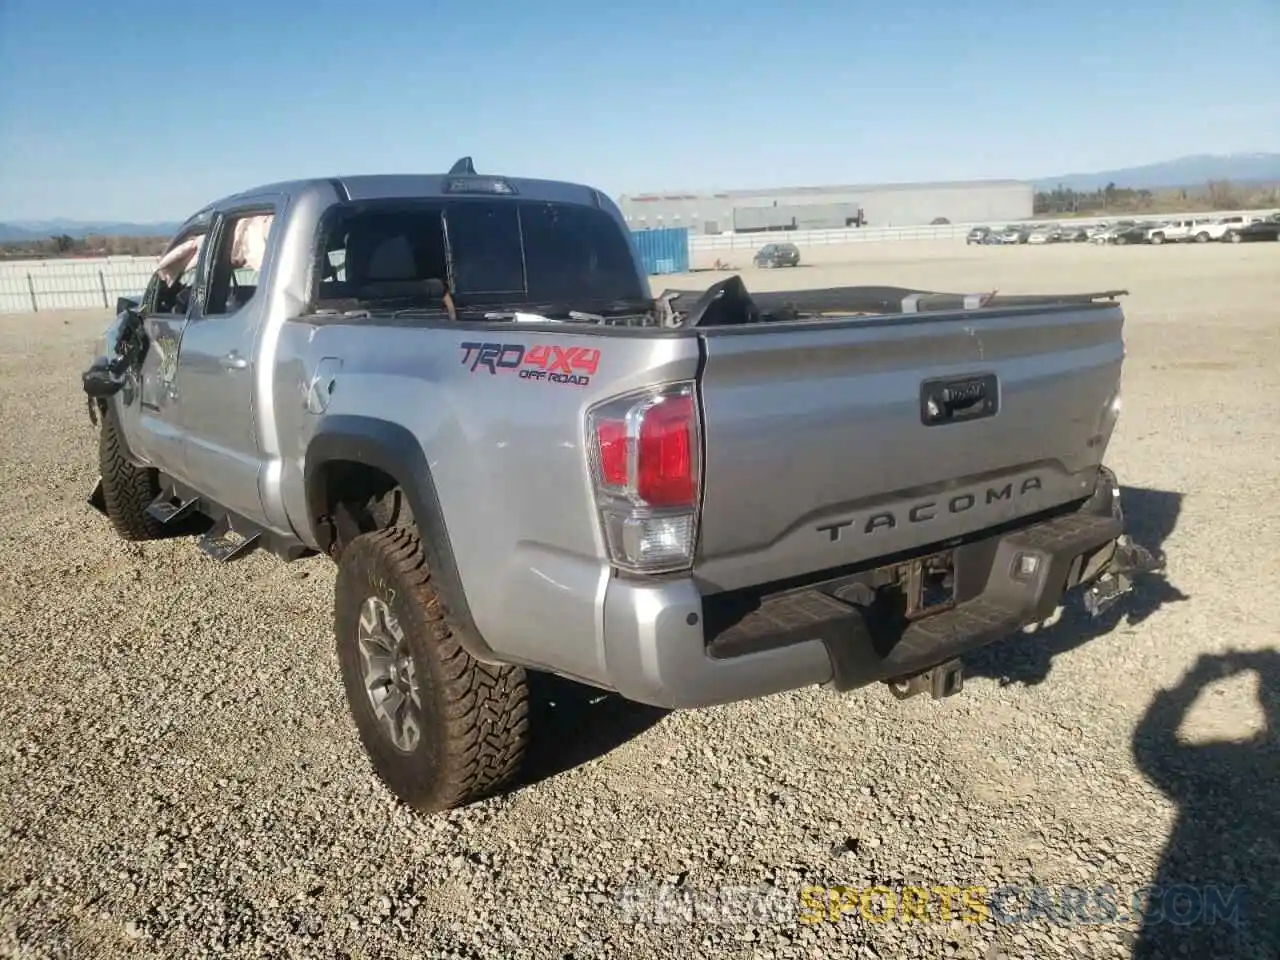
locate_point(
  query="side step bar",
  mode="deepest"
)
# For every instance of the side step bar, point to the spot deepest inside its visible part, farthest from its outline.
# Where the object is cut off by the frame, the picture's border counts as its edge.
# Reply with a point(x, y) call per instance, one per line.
point(97, 499)
point(170, 507)
point(224, 542)
point(231, 536)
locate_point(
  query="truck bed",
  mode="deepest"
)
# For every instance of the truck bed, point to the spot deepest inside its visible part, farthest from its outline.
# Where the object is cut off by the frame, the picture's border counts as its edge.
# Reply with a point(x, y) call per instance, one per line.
point(727, 303)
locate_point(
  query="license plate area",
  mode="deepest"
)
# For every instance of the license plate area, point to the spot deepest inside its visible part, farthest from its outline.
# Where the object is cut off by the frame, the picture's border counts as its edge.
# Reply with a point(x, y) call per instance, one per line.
point(903, 591)
point(928, 584)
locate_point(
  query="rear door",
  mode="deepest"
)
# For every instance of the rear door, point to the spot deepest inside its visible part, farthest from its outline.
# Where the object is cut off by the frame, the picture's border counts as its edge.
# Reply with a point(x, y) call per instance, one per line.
point(836, 443)
point(218, 371)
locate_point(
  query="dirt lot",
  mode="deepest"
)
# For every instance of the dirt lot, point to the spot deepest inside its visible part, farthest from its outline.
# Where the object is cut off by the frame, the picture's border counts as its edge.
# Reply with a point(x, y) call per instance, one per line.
point(180, 776)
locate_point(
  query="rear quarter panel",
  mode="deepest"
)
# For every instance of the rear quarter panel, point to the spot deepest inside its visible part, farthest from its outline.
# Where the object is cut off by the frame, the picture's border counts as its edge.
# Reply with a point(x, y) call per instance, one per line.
point(506, 454)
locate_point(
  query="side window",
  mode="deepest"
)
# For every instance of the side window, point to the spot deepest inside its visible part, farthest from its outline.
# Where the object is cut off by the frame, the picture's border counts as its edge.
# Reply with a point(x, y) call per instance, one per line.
point(371, 255)
point(237, 261)
point(169, 291)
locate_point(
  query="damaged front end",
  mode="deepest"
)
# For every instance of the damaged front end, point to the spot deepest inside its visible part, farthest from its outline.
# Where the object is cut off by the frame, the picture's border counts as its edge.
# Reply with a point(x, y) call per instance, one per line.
point(124, 347)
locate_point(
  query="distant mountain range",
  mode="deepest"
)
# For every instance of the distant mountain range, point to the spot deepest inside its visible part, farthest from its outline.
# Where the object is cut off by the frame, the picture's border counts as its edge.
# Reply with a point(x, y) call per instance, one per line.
point(44, 229)
point(1192, 171)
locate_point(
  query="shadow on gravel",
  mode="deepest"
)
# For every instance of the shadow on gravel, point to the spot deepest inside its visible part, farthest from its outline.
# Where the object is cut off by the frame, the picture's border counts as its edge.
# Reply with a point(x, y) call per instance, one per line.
point(573, 724)
point(1150, 518)
point(1216, 892)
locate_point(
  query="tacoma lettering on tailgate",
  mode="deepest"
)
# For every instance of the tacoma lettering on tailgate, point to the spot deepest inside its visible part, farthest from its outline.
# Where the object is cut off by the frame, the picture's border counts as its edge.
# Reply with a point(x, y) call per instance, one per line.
point(927, 510)
point(549, 363)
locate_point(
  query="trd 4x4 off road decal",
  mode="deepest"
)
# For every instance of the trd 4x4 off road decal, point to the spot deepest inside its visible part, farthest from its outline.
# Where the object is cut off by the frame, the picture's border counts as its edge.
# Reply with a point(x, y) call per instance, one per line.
point(552, 364)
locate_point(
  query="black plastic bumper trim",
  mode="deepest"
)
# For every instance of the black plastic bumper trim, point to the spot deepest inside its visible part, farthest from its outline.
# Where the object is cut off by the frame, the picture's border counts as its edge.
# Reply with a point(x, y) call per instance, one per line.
point(991, 603)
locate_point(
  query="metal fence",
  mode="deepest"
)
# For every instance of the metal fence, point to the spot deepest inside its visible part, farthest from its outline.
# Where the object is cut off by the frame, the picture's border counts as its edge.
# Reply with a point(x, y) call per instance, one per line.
point(27, 285)
point(702, 243)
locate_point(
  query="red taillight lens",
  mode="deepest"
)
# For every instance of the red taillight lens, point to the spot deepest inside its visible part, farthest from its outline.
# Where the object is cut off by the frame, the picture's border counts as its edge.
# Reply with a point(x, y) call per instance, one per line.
point(611, 439)
point(646, 469)
point(664, 454)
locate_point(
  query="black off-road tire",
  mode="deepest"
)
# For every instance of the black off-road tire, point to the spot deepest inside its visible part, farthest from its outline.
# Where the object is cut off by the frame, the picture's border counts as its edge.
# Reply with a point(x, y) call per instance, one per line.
point(474, 717)
point(127, 490)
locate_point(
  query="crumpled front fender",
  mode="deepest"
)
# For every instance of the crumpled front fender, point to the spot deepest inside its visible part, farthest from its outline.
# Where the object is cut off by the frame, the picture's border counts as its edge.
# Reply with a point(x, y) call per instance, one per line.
point(122, 347)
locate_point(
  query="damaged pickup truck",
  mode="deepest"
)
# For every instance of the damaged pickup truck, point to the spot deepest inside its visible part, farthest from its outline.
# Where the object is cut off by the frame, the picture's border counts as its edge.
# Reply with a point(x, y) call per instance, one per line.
point(461, 389)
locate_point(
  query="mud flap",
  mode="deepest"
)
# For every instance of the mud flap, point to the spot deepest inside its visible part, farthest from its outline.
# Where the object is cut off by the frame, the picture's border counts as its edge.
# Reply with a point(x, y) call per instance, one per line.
point(96, 498)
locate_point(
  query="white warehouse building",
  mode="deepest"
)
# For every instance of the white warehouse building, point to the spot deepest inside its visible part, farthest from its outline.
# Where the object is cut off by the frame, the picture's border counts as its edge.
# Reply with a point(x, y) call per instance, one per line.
point(829, 208)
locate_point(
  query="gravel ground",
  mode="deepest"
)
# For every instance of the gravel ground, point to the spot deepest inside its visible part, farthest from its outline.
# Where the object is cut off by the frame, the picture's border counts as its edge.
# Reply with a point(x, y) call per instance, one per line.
point(180, 776)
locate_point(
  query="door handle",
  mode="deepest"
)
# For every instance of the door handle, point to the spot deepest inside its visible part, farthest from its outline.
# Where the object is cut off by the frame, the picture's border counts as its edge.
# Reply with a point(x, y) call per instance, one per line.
point(233, 361)
point(956, 401)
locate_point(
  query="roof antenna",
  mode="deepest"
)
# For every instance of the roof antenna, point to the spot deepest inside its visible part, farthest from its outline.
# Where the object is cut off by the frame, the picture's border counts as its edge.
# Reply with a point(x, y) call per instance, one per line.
point(463, 166)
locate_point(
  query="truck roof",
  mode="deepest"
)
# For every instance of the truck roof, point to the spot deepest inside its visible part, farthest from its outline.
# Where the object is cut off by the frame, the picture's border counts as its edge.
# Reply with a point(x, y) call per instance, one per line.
point(377, 186)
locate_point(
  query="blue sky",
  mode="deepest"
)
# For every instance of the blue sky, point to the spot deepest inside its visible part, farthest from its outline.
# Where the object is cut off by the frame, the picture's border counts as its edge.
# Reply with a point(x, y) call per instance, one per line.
point(145, 110)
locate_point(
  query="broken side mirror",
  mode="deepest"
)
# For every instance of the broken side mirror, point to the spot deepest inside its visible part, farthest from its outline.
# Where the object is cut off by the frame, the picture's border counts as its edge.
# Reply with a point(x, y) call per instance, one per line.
point(103, 379)
point(125, 303)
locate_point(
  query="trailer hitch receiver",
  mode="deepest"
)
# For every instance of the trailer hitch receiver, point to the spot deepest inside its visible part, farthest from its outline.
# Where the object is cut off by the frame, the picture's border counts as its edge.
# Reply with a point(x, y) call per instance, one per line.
point(944, 680)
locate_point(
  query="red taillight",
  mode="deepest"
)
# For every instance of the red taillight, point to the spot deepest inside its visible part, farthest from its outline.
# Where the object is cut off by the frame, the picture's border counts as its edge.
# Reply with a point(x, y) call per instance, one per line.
point(664, 454)
point(611, 441)
point(644, 451)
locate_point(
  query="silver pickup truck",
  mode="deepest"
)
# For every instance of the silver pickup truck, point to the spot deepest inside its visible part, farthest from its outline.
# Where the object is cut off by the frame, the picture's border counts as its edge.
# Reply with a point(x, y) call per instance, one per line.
point(461, 388)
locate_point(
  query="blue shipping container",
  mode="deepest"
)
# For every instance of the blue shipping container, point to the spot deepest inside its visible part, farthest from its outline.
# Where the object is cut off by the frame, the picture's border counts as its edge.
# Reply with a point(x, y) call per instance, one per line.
point(663, 251)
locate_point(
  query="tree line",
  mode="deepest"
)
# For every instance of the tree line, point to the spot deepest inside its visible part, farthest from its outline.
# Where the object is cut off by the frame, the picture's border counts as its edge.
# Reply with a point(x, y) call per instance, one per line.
point(1111, 199)
point(63, 246)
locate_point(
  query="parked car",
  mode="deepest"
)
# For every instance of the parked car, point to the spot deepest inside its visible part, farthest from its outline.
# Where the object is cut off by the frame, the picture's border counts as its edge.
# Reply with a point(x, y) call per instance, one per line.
point(1014, 234)
point(1071, 233)
point(643, 528)
point(1218, 228)
point(1130, 233)
point(1106, 232)
point(978, 235)
point(777, 255)
point(1265, 229)
point(1042, 235)
point(1178, 231)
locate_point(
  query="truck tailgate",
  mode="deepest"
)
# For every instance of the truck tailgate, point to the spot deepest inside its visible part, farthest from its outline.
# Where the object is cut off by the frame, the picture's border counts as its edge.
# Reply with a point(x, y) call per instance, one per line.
point(817, 453)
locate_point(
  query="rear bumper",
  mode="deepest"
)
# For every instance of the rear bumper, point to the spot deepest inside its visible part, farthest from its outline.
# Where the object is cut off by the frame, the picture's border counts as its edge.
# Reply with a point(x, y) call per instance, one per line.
point(667, 645)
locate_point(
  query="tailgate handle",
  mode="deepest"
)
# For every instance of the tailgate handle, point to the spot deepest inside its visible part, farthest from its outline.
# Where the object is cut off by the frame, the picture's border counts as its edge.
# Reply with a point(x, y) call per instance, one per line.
point(958, 400)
